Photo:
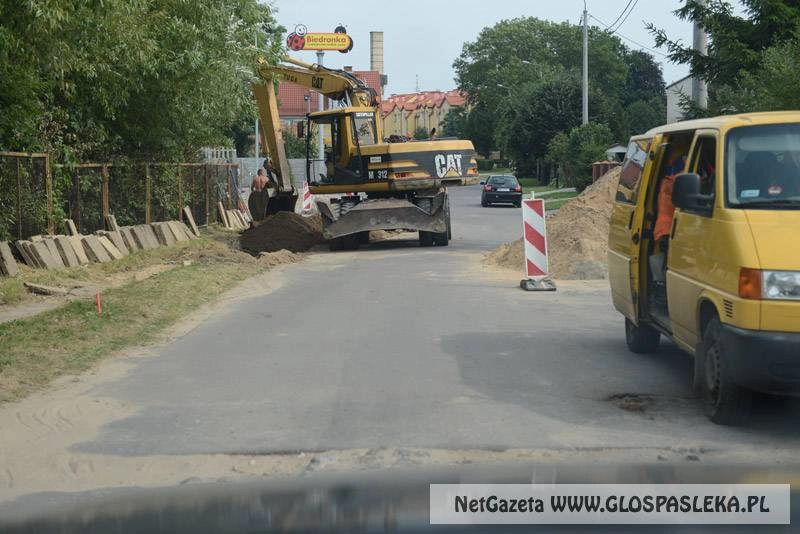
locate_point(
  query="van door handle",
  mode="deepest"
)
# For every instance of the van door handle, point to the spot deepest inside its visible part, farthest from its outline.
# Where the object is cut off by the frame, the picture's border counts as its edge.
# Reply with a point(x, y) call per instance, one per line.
point(630, 221)
point(635, 238)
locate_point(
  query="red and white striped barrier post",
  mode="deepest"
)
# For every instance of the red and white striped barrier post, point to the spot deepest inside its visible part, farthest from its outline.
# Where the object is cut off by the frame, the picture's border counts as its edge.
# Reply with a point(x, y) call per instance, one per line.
point(534, 239)
point(307, 198)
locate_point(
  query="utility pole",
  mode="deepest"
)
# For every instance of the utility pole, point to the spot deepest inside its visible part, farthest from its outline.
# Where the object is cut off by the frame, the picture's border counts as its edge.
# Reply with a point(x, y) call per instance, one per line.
point(258, 164)
point(585, 64)
point(321, 107)
point(700, 44)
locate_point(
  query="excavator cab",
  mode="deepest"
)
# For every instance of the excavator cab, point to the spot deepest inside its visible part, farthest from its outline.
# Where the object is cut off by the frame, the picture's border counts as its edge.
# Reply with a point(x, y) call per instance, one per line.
point(350, 129)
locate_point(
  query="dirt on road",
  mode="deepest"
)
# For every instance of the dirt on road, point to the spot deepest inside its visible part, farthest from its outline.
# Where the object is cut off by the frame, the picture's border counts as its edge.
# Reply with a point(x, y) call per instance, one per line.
point(577, 235)
point(284, 230)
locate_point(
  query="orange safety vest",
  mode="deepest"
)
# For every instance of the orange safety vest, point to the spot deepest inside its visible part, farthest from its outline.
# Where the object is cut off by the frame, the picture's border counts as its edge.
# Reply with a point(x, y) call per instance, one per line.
point(666, 209)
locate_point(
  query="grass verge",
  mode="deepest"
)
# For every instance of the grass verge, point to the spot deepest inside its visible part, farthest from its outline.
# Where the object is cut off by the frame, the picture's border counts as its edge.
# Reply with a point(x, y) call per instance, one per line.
point(532, 184)
point(71, 338)
point(554, 204)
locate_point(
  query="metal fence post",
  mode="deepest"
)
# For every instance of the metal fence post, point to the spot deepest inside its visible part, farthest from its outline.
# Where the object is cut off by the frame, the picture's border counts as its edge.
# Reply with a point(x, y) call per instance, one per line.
point(180, 194)
point(48, 176)
point(208, 195)
point(228, 188)
point(104, 191)
point(19, 199)
point(147, 207)
point(76, 208)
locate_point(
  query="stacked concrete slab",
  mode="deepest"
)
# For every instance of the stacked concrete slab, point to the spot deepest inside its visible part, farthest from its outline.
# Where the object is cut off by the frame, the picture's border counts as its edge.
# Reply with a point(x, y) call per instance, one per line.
point(75, 249)
point(8, 265)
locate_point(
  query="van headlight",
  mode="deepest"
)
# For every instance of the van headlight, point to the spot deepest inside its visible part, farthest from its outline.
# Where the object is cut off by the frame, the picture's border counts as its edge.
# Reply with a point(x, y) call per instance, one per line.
point(781, 285)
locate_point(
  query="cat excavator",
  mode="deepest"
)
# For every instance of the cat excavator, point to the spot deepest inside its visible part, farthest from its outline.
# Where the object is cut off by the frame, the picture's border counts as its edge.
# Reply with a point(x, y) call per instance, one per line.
point(366, 182)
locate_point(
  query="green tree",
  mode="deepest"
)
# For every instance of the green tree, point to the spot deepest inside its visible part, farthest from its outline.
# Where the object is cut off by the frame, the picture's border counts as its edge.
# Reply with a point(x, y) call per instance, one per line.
point(736, 42)
point(522, 77)
point(644, 80)
point(454, 123)
point(479, 129)
point(575, 152)
point(642, 115)
point(750, 56)
point(138, 78)
point(532, 115)
point(524, 50)
point(295, 146)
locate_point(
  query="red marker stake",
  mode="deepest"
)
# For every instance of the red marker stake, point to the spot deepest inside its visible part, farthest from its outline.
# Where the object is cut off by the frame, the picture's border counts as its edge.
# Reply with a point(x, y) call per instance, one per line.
point(98, 300)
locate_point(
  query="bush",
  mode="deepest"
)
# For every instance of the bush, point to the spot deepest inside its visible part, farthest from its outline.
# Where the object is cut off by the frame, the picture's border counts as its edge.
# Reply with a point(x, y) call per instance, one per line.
point(421, 134)
point(575, 152)
point(485, 165)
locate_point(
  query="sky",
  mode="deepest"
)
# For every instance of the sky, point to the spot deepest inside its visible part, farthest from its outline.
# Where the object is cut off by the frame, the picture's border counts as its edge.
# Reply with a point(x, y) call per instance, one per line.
point(422, 38)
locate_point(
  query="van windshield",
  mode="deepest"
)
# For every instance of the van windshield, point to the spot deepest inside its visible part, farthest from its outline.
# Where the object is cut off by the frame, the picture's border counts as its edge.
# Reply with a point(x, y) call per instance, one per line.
point(763, 167)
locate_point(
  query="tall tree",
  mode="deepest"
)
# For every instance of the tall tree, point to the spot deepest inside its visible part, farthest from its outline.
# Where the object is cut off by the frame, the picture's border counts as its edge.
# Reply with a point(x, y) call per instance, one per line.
point(454, 123)
point(528, 49)
point(644, 80)
point(735, 42)
point(139, 78)
point(525, 73)
point(533, 114)
point(479, 128)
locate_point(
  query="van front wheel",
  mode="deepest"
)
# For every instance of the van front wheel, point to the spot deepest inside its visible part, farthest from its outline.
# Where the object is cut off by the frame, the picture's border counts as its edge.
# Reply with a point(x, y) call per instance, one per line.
point(725, 402)
point(641, 339)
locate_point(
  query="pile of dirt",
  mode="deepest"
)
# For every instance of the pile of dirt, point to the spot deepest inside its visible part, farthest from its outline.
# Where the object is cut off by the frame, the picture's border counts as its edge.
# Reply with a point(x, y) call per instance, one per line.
point(284, 230)
point(577, 235)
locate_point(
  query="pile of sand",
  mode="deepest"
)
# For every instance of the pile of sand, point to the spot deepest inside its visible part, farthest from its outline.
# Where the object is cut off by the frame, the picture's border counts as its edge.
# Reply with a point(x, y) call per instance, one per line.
point(281, 257)
point(577, 235)
point(284, 230)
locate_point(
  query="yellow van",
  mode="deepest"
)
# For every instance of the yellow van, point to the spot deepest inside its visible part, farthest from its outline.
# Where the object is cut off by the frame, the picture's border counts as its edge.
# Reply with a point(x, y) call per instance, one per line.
point(704, 247)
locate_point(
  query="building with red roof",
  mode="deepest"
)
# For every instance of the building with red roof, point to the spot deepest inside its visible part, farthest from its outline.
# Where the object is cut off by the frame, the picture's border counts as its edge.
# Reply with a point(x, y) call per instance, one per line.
point(295, 101)
point(404, 113)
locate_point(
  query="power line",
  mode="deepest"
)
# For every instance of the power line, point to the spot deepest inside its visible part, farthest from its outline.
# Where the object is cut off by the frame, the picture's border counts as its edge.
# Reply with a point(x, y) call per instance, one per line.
point(623, 12)
point(618, 26)
point(607, 27)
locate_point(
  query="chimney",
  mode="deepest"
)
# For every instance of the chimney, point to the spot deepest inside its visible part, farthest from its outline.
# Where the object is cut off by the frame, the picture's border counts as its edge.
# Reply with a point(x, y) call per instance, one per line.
point(376, 56)
point(348, 68)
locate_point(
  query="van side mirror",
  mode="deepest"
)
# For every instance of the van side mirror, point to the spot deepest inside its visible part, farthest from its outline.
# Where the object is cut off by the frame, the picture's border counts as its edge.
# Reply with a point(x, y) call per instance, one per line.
point(482, 182)
point(686, 194)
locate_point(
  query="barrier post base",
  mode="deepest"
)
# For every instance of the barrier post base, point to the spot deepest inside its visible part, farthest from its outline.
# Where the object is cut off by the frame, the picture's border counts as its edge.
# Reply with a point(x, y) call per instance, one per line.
point(545, 284)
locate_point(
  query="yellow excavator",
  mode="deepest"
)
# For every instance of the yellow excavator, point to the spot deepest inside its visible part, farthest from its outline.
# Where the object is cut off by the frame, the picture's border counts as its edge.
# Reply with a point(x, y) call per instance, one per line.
point(371, 183)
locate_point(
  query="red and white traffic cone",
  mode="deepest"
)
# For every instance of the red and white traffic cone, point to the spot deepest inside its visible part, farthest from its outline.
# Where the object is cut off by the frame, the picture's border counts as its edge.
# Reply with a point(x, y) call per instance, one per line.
point(307, 199)
point(534, 234)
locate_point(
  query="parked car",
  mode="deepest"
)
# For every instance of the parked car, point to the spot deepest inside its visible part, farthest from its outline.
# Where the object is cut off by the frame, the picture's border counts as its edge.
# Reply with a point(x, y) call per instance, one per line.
point(501, 189)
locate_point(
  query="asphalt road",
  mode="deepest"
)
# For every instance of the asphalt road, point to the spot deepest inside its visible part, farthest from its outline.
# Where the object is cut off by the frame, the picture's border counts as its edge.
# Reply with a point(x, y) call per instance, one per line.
point(388, 356)
point(397, 346)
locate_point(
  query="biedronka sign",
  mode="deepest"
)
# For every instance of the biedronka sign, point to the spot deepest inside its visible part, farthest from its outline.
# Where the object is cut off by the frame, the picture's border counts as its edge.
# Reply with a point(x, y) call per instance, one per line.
point(302, 39)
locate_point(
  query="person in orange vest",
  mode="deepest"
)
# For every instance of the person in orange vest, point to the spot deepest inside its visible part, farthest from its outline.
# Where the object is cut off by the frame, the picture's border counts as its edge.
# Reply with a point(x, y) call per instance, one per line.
point(676, 160)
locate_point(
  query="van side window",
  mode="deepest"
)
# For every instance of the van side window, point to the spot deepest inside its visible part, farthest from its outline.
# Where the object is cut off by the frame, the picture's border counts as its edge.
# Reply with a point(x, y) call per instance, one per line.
point(704, 163)
point(631, 175)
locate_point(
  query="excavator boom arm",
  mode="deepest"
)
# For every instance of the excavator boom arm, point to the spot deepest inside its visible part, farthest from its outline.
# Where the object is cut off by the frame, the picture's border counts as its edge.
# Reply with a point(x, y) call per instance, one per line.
point(332, 83)
point(271, 134)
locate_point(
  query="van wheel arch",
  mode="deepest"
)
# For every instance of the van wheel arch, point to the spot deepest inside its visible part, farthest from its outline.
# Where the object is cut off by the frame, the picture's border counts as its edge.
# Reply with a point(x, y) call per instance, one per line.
point(705, 312)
